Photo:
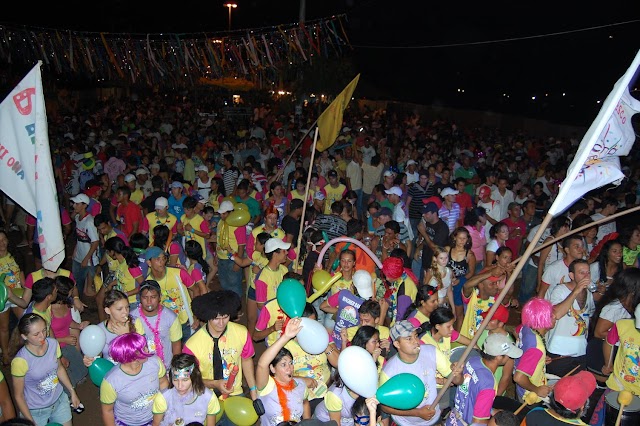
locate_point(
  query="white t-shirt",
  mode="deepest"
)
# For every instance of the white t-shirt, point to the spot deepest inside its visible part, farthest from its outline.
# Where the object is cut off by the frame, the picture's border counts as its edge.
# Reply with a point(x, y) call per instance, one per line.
point(493, 211)
point(354, 174)
point(614, 312)
point(569, 336)
point(493, 246)
point(446, 283)
point(367, 154)
point(86, 233)
point(504, 200)
point(532, 234)
point(554, 274)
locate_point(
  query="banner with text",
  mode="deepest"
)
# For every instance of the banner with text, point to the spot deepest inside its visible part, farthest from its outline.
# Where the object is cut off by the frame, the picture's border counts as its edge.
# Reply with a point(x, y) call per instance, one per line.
point(611, 136)
point(26, 172)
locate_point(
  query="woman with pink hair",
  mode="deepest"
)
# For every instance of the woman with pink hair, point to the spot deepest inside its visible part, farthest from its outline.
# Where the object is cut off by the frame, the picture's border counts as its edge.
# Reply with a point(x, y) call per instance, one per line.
point(530, 375)
point(128, 389)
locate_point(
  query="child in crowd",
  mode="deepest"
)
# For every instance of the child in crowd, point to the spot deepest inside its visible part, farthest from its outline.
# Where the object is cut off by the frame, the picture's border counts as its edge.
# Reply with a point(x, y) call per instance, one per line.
point(441, 276)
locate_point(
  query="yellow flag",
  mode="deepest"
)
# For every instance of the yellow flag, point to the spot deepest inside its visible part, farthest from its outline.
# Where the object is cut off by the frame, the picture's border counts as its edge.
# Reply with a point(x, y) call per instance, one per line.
point(330, 121)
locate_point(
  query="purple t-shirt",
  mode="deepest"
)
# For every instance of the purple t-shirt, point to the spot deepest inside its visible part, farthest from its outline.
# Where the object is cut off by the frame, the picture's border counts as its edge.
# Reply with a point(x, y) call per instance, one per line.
point(185, 407)
point(272, 408)
point(166, 321)
point(41, 384)
point(474, 397)
point(134, 394)
point(425, 369)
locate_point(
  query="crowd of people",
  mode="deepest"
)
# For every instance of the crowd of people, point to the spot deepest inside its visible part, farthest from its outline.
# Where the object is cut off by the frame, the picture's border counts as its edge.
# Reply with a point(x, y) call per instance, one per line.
point(182, 225)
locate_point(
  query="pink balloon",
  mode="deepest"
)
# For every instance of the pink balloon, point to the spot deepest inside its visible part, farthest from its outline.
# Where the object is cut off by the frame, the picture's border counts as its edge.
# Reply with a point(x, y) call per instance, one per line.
point(348, 240)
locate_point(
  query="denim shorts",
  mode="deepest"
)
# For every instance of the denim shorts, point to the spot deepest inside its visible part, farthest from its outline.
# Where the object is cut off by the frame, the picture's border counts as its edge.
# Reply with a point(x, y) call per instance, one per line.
point(58, 412)
point(251, 293)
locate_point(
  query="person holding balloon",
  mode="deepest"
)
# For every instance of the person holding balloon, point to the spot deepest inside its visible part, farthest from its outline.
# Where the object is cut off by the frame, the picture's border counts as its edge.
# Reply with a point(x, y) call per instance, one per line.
point(37, 374)
point(231, 241)
point(422, 361)
point(313, 368)
point(187, 399)
point(284, 396)
point(268, 279)
point(119, 322)
point(368, 338)
point(366, 412)
point(128, 390)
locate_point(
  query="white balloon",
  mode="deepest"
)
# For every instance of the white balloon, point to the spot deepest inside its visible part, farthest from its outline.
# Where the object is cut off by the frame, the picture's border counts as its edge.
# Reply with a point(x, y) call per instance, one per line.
point(362, 281)
point(92, 340)
point(358, 371)
point(313, 338)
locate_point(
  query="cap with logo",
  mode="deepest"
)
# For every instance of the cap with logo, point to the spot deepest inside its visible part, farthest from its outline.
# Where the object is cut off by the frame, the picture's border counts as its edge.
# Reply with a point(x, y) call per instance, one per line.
point(500, 344)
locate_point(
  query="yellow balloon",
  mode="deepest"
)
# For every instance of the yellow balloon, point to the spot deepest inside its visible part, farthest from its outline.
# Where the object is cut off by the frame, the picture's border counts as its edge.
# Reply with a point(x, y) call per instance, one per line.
point(229, 198)
point(240, 206)
point(322, 283)
point(221, 413)
point(240, 411)
point(238, 218)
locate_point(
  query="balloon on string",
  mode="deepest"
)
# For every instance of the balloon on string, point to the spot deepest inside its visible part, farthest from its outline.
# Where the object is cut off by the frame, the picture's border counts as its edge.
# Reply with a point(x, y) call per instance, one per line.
point(238, 218)
point(358, 371)
point(98, 369)
point(322, 281)
point(240, 411)
point(313, 338)
point(403, 391)
point(360, 244)
point(363, 283)
point(292, 297)
point(92, 340)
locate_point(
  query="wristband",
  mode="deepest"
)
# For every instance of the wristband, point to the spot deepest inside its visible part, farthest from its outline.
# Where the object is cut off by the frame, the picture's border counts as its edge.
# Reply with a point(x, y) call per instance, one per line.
point(252, 388)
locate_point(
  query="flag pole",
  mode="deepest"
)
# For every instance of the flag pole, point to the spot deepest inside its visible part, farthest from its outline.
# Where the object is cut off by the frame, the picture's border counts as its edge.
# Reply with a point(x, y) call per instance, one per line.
point(281, 171)
point(494, 308)
point(306, 201)
point(584, 227)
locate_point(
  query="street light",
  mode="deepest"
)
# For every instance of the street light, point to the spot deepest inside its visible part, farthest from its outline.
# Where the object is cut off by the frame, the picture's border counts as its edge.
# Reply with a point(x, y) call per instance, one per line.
point(230, 6)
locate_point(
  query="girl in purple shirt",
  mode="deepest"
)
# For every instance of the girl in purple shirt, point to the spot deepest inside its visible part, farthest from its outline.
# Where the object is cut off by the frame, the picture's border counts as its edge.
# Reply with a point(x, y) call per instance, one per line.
point(37, 374)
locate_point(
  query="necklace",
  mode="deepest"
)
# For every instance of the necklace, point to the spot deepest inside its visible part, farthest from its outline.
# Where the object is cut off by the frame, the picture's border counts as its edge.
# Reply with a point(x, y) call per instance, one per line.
point(159, 349)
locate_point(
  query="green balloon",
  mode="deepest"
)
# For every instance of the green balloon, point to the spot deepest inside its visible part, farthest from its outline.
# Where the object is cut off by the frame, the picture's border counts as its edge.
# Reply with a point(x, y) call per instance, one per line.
point(4, 293)
point(292, 297)
point(403, 391)
point(98, 369)
point(54, 424)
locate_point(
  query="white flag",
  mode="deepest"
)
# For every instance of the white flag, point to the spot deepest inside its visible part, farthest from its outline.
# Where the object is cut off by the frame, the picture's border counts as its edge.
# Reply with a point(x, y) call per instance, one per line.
point(26, 172)
point(611, 136)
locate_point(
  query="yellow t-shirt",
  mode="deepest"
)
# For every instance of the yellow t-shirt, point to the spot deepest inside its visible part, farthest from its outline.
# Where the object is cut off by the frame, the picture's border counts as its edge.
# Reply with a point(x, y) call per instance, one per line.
point(234, 345)
point(260, 261)
point(625, 366)
point(314, 366)
point(195, 222)
point(473, 318)
point(332, 195)
point(154, 220)
point(229, 237)
point(267, 282)
point(126, 281)
point(275, 313)
point(160, 404)
point(9, 266)
point(171, 294)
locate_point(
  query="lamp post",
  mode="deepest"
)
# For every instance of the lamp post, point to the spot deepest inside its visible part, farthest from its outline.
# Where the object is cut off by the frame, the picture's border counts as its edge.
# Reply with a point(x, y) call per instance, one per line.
point(230, 6)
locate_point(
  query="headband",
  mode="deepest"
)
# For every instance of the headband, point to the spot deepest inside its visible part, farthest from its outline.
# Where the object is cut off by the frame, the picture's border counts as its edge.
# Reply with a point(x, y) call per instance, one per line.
point(183, 373)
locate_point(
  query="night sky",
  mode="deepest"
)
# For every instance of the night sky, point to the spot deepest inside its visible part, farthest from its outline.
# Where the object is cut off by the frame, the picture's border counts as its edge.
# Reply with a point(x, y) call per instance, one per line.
point(502, 76)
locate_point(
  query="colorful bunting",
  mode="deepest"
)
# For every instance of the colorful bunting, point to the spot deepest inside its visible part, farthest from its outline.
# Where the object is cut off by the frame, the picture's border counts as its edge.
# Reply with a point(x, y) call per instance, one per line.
point(260, 55)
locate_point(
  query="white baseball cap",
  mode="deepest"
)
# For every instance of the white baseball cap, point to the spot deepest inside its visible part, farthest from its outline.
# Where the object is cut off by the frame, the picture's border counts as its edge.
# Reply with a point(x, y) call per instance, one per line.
point(388, 173)
point(394, 190)
point(129, 178)
point(448, 191)
point(202, 168)
point(161, 203)
point(142, 171)
point(225, 206)
point(274, 244)
point(411, 162)
point(81, 198)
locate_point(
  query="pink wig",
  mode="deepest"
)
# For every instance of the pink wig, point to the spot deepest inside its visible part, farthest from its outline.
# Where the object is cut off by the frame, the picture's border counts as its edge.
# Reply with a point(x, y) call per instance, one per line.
point(129, 347)
point(537, 313)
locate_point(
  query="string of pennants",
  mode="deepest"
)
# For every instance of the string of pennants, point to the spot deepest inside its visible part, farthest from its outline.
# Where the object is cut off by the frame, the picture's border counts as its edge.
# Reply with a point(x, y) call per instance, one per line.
point(176, 59)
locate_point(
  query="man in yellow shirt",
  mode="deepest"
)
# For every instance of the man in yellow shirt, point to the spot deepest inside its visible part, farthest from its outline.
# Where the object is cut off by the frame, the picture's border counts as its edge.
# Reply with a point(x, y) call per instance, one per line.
point(231, 241)
point(136, 193)
point(333, 191)
point(268, 279)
